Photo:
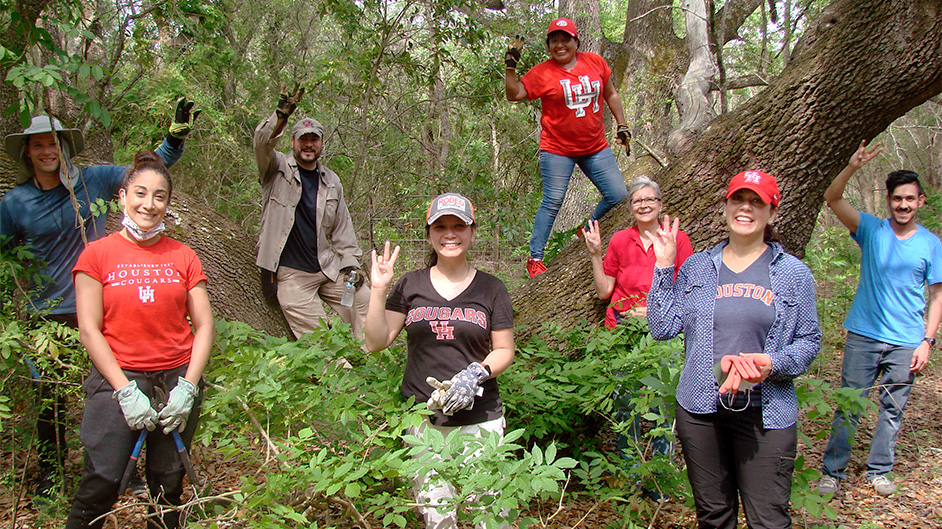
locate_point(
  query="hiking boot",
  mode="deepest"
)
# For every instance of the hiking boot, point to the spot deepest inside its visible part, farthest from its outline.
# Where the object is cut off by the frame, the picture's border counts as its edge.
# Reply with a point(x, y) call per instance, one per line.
point(883, 485)
point(535, 267)
point(828, 485)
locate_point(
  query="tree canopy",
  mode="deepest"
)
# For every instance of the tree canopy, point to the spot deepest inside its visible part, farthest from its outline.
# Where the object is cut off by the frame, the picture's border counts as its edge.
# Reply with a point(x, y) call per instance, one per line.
point(410, 96)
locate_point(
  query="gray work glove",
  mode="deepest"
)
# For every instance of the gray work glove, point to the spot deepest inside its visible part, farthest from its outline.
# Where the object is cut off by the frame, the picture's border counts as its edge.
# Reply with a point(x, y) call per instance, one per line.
point(136, 407)
point(288, 101)
point(465, 385)
point(179, 404)
point(436, 401)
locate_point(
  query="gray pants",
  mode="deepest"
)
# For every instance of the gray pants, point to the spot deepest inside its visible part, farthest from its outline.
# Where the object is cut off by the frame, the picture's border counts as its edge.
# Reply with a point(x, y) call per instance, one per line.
point(108, 442)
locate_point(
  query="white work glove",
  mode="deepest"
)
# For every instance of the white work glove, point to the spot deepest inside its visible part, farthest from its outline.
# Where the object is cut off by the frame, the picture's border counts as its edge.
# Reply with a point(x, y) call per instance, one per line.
point(436, 400)
point(136, 407)
point(179, 404)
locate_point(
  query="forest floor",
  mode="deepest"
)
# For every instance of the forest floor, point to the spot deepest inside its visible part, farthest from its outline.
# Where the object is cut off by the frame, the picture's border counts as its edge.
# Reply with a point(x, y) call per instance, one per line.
point(917, 503)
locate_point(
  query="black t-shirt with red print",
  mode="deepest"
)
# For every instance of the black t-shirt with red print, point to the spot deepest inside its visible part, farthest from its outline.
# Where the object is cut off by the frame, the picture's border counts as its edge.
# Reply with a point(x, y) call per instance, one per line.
point(444, 336)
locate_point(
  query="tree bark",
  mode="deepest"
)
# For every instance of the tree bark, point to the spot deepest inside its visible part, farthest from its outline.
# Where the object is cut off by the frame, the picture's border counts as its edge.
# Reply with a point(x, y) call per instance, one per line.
point(694, 97)
point(842, 85)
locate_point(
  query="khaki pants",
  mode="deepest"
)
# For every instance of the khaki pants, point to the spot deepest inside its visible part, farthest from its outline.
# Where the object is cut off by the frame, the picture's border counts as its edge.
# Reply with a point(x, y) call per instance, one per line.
point(300, 295)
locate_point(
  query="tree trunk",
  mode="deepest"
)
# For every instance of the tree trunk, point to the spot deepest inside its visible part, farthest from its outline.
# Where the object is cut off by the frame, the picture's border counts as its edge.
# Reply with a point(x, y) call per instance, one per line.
point(695, 94)
point(842, 85)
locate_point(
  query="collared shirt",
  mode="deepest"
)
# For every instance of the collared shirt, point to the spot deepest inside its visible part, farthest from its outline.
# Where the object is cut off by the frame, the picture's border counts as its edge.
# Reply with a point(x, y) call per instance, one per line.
point(686, 305)
point(633, 269)
point(281, 191)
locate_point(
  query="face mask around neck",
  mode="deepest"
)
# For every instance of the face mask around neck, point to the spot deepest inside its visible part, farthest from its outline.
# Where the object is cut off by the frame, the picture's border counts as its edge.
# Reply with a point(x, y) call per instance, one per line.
point(139, 234)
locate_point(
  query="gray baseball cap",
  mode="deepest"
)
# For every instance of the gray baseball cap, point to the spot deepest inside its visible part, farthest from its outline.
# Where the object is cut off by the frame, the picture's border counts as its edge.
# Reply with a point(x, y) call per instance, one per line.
point(307, 126)
point(450, 204)
point(15, 144)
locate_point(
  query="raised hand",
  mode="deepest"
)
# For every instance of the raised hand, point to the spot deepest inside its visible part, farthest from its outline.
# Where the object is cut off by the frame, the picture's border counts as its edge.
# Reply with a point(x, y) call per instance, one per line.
point(381, 271)
point(183, 118)
point(864, 155)
point(665, 242)
point(288, 101)
point(512, 57)
point(593, 238)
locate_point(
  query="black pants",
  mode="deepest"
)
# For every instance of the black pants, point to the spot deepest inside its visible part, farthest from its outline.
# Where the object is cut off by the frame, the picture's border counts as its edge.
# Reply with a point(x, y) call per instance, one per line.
point(730, 454)
point(108, 442)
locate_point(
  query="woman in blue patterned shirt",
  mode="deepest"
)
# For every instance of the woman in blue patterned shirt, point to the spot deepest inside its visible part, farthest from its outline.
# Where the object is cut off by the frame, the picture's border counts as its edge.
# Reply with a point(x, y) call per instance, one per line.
point(747, 311)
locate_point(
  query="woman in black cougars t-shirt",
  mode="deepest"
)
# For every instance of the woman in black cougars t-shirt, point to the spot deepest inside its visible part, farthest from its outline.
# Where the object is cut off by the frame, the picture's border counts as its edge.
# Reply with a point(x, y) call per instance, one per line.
point(460, 335)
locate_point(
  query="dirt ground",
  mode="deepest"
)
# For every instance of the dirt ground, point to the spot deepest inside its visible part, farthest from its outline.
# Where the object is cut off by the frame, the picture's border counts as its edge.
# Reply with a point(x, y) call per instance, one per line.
point(917, 504)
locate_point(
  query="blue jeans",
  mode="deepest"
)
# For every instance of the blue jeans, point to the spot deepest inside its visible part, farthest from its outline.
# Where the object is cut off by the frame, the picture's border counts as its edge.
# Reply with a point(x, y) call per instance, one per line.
point(556, 170)
point(864, 360)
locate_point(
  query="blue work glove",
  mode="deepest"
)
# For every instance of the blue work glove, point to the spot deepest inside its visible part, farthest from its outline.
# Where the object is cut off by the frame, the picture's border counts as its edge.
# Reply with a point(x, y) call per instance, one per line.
point(136, 407)
point(465, 385)
point(179, 404)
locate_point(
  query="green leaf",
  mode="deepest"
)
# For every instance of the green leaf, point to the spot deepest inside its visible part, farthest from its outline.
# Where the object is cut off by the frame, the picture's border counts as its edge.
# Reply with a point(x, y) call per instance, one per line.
point(352, 490)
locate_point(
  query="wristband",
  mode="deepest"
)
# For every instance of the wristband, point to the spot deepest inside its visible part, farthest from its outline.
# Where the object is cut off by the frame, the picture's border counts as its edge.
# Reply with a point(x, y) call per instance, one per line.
point(930, 341)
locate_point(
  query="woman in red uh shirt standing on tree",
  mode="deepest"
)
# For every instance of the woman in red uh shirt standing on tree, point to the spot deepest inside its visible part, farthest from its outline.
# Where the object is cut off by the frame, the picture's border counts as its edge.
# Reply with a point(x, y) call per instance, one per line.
point(569, 86)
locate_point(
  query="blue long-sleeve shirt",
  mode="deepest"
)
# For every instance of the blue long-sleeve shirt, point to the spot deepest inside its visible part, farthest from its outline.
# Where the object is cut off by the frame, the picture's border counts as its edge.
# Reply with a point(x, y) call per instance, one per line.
point(48, 223)
point(687, 305)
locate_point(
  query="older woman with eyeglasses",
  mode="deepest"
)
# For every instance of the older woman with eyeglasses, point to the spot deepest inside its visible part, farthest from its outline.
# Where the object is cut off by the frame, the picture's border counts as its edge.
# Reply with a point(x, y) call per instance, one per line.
point(627, 271)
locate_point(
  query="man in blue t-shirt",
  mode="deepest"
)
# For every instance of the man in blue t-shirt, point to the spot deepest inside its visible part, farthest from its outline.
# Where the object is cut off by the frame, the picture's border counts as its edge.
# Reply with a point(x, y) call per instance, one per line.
point(39, 213)
point(889, 334)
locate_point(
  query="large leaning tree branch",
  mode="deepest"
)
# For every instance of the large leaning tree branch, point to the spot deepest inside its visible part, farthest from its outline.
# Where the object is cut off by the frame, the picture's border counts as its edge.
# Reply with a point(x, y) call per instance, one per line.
point(860, 65)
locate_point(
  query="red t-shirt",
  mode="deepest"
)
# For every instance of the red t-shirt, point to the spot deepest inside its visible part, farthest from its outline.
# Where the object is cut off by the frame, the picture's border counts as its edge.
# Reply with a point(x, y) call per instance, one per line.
point(571, 104)
point(144, 299)
point(633, 269)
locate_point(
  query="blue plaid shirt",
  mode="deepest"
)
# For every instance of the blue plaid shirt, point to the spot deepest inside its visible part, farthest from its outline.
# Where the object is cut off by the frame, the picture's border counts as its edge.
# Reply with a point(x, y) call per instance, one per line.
point(687, 305)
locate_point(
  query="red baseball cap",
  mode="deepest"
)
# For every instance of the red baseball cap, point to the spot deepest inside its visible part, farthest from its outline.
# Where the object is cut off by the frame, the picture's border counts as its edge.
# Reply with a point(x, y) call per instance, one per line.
point(563, 24)
point(762, 183)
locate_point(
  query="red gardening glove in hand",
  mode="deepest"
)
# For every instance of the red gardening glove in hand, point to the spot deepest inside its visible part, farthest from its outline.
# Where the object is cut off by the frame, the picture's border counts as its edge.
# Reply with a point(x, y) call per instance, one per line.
point(745, 367)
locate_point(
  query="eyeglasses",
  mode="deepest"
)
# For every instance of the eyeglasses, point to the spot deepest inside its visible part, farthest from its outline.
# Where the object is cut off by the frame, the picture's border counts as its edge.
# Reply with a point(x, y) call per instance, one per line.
point(647, 201)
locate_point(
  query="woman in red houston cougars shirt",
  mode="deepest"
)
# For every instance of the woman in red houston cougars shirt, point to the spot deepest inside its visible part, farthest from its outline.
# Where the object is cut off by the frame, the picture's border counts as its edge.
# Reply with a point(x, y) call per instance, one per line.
point(134, 291)
point(570, 87)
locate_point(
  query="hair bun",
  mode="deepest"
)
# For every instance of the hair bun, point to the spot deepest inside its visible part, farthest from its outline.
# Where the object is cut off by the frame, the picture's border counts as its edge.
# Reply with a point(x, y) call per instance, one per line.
point(147, 158)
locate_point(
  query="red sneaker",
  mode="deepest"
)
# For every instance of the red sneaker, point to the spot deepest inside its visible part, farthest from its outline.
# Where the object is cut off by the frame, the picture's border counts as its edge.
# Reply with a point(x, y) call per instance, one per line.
point(535, 267)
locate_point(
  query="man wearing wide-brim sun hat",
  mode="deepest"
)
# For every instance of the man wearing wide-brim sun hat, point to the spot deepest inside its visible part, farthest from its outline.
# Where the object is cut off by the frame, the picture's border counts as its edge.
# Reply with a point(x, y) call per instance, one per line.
point(39, 213)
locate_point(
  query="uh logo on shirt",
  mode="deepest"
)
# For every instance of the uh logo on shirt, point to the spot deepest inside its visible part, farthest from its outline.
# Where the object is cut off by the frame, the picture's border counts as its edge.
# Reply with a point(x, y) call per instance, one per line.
point(584, 93)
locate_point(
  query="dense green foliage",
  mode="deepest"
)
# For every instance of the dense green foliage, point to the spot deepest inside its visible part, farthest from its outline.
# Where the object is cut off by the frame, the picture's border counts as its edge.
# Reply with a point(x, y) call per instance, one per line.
point(309, 433)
